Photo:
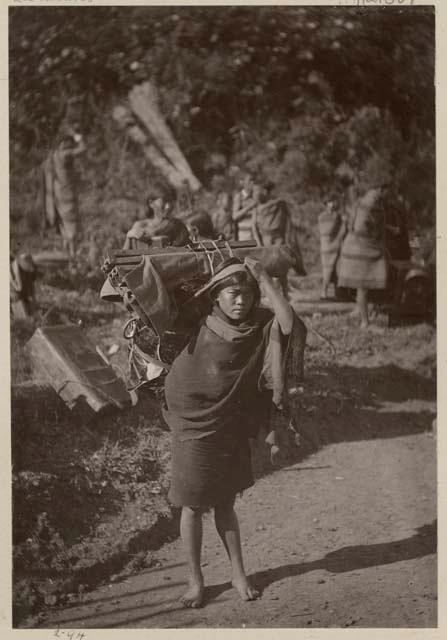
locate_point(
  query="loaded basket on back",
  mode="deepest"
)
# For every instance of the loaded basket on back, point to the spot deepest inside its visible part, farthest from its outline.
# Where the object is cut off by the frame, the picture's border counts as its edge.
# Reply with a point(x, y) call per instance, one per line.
point(157, 285)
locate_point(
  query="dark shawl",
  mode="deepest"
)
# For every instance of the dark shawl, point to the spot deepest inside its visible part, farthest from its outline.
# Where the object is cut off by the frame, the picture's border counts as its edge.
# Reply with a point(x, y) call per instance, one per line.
point(216, 383)
point(60, 192)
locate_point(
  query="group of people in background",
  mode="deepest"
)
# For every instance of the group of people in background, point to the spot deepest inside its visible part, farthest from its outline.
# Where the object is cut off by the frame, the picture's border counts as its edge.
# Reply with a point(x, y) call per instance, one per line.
point(362, 227)
point(361, 232)
point(252, 214)
point(59, 194)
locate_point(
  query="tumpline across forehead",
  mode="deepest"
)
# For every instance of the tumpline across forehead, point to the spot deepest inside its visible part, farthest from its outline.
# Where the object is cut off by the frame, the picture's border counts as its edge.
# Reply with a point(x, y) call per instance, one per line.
point(230, 272)
point(237, 279)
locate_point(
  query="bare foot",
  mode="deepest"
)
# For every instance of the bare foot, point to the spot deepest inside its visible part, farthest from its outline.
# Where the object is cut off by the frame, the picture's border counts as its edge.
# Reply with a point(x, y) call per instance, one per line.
point(245, 589)
point(194, 596)
point(375, 329)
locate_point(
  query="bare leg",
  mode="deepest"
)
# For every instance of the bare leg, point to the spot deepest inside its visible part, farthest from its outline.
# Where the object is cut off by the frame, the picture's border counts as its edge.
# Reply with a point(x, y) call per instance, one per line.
point(362, 304)
point(324, 290)
point(228, 529)
point(191, 533)
point(69, 247)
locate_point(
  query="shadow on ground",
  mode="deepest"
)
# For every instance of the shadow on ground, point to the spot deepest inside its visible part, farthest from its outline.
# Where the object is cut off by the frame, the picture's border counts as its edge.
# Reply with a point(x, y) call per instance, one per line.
point(422, 543)
point(343, 404)
point(338, 404)
point(345, 559)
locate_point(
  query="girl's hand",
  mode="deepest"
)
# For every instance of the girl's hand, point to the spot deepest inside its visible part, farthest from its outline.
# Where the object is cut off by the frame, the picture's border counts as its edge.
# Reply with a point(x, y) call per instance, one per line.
point(272, 441)
point(255, 267)
point(281, 308)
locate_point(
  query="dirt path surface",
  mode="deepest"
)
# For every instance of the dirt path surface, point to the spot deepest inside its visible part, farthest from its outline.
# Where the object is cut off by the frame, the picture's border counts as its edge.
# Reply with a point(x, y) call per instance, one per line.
point(344, 538)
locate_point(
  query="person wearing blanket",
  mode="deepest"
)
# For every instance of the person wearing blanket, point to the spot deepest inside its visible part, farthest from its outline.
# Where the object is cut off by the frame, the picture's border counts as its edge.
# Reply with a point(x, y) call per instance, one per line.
point(220, 388)
point(159, 220)
point(332, 228)
point(363, 264)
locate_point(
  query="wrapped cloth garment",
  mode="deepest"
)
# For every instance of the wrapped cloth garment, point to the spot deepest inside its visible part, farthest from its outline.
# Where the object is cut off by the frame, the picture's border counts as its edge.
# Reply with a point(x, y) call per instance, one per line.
point(218, 394)
point(243, 222)
point(174, 229)
point(209, 470)
point(332, 230)
point(61, 208)
point(221, 216)
point(362, 260)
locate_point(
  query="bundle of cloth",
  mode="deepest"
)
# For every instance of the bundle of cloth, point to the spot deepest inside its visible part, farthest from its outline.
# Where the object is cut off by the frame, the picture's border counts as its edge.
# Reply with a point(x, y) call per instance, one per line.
point(200, 226)
point(273, 226)
point(159, 280)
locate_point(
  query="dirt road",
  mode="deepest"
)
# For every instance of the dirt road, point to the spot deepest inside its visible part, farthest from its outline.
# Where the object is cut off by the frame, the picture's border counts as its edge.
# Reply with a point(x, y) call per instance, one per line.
point(345, 538)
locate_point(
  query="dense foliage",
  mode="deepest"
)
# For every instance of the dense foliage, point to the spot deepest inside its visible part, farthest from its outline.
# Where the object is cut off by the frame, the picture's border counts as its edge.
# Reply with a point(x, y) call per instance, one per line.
point(300, 93)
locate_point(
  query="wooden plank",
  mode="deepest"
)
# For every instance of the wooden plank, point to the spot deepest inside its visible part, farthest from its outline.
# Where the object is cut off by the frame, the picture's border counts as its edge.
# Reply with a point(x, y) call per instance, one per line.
point(124, 256)
point(62, 356)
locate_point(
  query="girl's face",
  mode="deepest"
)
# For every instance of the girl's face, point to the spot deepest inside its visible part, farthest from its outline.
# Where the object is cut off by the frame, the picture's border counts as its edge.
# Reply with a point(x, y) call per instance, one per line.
point(236, 301)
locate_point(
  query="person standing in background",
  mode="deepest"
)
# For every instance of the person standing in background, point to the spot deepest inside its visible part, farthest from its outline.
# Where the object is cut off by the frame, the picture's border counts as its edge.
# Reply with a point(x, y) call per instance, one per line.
point(332, 228)
point(244, 203)
point(61, 185)
point(158, 220)
point(363, 264)
point(22, 276)
point(272, 225)
point(221, 211)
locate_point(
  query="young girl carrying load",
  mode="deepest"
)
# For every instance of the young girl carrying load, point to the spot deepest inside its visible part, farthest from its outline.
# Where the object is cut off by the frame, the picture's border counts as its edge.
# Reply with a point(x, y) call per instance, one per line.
point(219, 388)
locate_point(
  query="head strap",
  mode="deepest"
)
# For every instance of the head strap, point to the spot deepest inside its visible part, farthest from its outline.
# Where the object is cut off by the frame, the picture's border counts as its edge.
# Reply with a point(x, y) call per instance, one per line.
point(227, 271)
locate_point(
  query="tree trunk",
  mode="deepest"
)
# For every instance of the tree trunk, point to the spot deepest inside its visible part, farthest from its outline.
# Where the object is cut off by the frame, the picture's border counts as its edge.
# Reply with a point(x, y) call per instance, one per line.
point(125, 119)
point(143, 100)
